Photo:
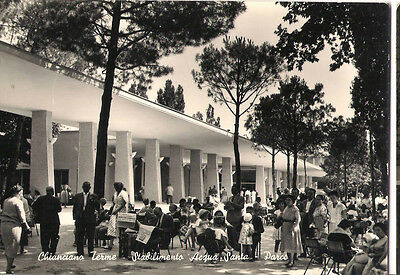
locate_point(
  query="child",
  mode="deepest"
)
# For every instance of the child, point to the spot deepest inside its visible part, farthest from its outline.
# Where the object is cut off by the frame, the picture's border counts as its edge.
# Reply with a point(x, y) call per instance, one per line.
point(191, 230)
point(101, 224)
point(277, 231)
point(246, 236)
point(202, 224)
point(220, 231)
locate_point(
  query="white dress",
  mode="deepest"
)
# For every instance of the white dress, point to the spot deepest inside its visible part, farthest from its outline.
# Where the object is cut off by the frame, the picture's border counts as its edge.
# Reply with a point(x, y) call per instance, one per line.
point(119, 200)
point(335, 215)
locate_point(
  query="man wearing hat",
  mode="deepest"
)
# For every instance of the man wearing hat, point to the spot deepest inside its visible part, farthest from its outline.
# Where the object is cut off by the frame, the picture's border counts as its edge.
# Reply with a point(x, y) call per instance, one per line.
point(46, 209)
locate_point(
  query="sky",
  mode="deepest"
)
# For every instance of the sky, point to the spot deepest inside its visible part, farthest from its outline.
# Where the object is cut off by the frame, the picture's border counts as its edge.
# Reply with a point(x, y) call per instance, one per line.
point(257, 23)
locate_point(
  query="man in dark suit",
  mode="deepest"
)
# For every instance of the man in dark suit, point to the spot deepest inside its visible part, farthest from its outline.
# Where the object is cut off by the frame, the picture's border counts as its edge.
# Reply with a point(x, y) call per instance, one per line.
point(166, 224)
point(84, 214)
point(46, 210)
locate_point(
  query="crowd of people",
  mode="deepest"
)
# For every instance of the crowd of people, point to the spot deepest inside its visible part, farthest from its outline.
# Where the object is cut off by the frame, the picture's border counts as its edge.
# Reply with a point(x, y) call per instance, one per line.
point(322, 216)
point(224, 225)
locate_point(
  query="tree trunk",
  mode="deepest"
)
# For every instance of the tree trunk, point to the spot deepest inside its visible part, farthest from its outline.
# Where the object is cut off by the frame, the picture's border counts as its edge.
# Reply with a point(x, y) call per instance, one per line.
point(385, 182)
point(371, 153)
point(288, 169)
point(294, 185)
point(345, 178)
point(12, 165)
point(236, 148)
point(305, 171)
point(101, 153)
point(273, 175)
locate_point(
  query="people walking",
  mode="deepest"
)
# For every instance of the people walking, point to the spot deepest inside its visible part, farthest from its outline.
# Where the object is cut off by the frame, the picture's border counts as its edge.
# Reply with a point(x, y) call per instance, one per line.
point(12, 221)
point(46, 209)
point(85, 205)
point(24, 234)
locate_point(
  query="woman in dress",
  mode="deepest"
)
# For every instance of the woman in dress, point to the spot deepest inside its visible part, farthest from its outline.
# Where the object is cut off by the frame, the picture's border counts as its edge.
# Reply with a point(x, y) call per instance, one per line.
point(320, 216)
point(64, 195)
point(120, 205)
point(12, 220)
point(290, 238)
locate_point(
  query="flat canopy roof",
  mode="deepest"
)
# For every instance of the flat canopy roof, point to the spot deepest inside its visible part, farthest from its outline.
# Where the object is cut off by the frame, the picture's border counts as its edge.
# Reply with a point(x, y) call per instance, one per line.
point(29, 83)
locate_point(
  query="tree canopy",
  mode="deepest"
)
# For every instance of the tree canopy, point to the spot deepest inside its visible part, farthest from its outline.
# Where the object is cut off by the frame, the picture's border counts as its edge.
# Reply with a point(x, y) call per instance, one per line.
point(357, 33)
point(236, 75)
point(126, 39)
point(346, 145)
point(210, 117)
point(296, 115)
point(171, 97)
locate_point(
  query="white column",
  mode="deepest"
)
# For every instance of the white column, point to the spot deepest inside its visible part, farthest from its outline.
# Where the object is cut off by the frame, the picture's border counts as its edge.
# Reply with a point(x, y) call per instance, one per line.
point(196, 175)
point(123, 163)
point(260, 183)
point(212, 173)
point(87, 152)
point(176, 178)
point(42, 161)
point(227, 175)
point(153, 171)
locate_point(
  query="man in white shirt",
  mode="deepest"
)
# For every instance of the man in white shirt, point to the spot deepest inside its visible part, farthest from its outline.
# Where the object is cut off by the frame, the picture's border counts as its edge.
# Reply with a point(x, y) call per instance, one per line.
point(336, 211)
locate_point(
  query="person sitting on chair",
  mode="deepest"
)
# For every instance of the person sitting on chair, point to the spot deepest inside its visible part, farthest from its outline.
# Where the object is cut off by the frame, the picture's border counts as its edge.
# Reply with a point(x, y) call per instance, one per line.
point(201, 225)
point(342, 234)
point(191, 232)
point(101, 224)
point(166, 224)
point(176, 216)
point(141, 215)
point(150, 217)
point(363, 262)
point(221, 235)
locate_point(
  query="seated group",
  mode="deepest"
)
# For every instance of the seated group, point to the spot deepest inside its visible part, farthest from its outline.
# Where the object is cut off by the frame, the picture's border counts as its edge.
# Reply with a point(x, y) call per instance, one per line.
point(194, 224)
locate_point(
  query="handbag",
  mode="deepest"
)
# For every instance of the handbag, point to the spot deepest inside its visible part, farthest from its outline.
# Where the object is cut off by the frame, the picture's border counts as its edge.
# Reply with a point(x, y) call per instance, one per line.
point(278, 223)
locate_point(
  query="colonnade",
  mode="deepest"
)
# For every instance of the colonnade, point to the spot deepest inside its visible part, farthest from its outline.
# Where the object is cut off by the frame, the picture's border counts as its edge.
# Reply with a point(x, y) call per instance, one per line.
point(42, 164)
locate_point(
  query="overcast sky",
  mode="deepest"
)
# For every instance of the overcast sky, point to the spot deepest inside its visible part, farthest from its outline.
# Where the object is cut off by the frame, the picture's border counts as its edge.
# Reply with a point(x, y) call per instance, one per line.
point(258, 23)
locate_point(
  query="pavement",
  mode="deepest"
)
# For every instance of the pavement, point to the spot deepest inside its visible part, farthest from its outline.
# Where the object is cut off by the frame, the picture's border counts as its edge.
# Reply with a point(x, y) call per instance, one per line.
point(29, 264)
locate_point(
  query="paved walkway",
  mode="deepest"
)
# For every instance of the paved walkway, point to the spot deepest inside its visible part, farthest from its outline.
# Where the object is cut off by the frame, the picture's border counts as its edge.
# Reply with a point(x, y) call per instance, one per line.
point(29, 264)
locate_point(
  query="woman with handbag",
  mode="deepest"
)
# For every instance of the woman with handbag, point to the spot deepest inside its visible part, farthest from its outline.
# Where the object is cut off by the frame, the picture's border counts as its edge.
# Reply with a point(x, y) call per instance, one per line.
point(120, 205)
point(291, 240)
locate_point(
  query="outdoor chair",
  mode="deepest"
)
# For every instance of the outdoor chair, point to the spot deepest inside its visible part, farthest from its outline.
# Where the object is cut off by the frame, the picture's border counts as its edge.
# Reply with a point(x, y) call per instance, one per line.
point(312, 245)
point(338, 254)
point(176, 232)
